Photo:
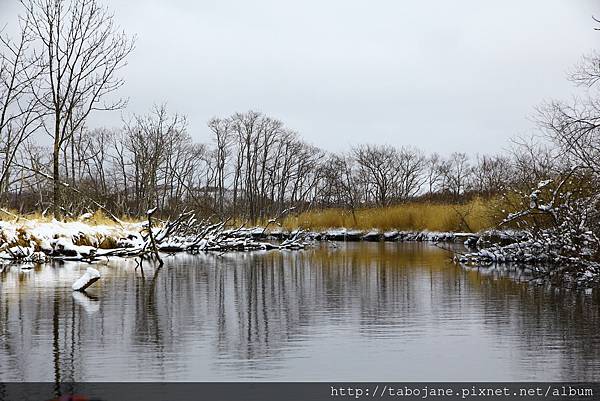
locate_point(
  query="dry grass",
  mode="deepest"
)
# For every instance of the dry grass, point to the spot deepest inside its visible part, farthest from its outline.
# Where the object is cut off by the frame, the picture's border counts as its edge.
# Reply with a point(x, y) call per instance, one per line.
point(98, 218)
point(473, 216)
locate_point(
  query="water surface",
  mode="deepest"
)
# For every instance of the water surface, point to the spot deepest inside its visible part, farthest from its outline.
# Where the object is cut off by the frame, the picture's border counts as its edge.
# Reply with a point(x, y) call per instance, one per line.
point(361, 311)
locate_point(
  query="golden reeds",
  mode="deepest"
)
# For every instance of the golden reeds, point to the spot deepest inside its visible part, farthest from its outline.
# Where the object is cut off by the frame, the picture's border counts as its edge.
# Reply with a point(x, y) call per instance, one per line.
point(474, 216)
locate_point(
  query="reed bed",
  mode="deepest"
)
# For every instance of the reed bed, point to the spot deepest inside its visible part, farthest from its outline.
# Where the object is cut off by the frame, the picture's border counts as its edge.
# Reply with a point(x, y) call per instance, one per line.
point(472, 216)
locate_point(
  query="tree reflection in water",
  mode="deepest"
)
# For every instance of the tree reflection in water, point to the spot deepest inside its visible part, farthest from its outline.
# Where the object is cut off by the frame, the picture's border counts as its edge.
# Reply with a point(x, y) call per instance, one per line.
point(362, 310)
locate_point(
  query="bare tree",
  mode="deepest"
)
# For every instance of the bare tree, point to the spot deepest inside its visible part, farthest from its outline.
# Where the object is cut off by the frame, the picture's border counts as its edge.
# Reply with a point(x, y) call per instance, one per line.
point(379, 168)
point(82, 50)
point(340, 182)
point(222, 138)
point(149, 148)
point(491, 174)
point(457, 173)
point(434, 173)
point(533, 161)
point(411, 164)
point(19, 71)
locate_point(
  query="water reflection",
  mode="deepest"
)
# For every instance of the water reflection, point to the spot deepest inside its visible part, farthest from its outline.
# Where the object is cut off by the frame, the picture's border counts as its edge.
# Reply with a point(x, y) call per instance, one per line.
point(378, 311)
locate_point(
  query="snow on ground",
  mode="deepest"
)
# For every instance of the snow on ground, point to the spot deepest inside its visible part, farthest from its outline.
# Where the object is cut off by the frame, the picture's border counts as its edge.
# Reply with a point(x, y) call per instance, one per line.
point(33, 240)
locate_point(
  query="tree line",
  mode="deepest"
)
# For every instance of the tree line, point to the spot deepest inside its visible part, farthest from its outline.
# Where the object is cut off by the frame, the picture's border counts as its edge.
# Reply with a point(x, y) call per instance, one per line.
point(64, 65)
point(254, 168)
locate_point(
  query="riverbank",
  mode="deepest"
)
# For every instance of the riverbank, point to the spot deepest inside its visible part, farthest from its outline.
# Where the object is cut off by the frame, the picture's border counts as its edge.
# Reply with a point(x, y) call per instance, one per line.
point(32, 242)
point(38, 241)
point(35, 239)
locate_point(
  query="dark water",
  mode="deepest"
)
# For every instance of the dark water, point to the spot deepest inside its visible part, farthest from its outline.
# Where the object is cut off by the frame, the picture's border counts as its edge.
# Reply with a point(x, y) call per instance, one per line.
point(362, 311)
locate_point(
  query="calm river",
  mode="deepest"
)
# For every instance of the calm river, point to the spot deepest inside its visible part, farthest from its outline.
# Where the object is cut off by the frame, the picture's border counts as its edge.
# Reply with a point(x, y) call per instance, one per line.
point(361, 311)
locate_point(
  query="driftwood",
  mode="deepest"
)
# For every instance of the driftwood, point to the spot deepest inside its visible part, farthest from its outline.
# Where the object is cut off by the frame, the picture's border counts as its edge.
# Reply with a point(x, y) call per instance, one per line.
point(186, 233)
point(152, 241)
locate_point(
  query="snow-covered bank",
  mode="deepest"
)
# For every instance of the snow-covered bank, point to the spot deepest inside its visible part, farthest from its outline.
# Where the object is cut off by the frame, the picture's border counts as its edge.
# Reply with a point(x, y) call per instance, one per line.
point(541, 258)
point(36, 241)
point(33, 241)
point(345, 234)
point(558, 233)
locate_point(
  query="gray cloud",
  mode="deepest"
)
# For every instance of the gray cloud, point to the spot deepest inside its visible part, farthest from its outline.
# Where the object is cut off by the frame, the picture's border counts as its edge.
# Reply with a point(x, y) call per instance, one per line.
point(443, 76)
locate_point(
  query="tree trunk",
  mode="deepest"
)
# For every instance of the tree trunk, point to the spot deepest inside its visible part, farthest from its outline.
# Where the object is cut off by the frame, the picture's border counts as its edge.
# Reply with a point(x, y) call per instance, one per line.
point(56, 208)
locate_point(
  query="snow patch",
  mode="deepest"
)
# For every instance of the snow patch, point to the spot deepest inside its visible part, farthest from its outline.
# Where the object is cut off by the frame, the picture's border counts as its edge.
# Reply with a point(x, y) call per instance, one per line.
point(90, 276)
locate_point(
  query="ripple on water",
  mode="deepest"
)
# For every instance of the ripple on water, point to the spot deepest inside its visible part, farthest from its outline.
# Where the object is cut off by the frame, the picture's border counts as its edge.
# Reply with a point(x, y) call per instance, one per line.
point(363, 311)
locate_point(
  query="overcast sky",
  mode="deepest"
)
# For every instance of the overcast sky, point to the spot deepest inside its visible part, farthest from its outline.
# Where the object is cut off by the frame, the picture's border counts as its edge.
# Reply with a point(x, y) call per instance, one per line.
point(445, 76)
